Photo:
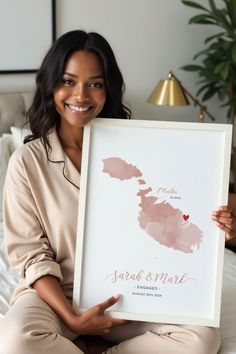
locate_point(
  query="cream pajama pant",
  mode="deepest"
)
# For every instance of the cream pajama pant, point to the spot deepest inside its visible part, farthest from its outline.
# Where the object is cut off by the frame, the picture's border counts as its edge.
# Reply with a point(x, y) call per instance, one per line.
point(31, 327)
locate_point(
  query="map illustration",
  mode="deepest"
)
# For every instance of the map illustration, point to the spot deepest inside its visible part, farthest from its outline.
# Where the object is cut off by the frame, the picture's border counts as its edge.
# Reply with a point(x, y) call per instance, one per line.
point(167, 225)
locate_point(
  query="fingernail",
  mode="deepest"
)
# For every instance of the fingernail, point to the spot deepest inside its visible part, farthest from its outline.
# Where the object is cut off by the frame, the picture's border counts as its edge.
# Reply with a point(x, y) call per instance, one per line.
point(117, 296)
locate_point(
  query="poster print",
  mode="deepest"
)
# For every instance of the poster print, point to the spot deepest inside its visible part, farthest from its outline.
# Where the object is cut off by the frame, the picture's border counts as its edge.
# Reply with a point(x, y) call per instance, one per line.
point(144, 228)
point(27, 30)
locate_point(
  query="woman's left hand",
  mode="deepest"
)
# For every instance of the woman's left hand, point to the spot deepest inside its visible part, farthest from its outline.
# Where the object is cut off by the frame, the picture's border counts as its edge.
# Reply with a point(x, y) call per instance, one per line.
point(225, 220)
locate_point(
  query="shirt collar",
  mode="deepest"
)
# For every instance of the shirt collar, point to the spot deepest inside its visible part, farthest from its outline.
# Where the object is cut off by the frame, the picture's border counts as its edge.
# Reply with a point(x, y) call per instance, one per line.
point(58, 155)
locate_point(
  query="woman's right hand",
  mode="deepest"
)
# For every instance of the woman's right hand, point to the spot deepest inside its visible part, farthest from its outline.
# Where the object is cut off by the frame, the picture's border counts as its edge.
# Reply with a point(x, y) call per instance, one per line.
point(94, 321)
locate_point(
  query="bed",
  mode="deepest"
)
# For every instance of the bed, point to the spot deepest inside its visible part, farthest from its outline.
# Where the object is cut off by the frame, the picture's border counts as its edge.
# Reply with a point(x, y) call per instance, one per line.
point(13, 107)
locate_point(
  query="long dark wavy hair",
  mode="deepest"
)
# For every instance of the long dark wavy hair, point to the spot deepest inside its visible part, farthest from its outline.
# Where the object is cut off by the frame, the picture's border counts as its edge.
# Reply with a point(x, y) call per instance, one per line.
point(42, 116)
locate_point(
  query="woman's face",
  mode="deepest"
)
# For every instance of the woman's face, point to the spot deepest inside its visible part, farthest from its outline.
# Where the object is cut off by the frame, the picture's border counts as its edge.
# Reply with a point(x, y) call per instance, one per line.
point(82, 94)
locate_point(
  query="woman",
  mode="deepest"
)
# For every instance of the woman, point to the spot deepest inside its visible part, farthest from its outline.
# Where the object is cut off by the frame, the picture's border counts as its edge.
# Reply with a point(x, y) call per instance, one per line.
point(79, 80)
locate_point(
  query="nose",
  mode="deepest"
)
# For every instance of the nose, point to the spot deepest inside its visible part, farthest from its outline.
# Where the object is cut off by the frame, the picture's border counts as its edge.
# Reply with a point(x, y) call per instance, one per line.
point(80, 92)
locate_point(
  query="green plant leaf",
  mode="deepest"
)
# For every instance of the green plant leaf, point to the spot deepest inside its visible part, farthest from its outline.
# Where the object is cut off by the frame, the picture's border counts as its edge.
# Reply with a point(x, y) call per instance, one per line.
point(231, 7)
point(225, 104)
point(212, 5)
point(203, 81)
point(193, 4)
point(233, 52)
point(213, 37)
point(202, 89)
point(222, 92)
point(206, 87)
point(223, 69)
point(191, 67)
point(230, 102)
point(209, 75)
point(221, 17)
point(209, 94)
point(217, 68)
point(233, 76)
point(202, 19)
point(200, 53)
point(221, 46)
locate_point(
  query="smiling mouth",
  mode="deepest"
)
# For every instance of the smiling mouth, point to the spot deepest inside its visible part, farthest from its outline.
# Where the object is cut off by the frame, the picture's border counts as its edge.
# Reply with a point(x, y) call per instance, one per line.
point(78, 108)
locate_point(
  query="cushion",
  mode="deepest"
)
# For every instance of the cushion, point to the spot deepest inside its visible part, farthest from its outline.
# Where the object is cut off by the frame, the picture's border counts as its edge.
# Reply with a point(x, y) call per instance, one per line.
point(18, 135)
point(13, 108)
point(6, 149)
point(8, 144)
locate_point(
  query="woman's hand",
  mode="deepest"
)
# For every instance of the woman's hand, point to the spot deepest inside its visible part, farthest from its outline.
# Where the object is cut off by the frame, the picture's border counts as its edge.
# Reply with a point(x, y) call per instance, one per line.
point(94, 321)
point(225, 220)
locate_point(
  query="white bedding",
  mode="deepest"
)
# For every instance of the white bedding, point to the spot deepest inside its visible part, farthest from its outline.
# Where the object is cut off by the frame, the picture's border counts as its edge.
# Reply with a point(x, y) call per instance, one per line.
point(9, 278)
point(228, 307)
point(8, 281)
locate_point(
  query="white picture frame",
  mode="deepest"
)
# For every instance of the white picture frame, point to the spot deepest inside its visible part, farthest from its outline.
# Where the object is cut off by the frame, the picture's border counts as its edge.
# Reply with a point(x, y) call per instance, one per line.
point(145, 231)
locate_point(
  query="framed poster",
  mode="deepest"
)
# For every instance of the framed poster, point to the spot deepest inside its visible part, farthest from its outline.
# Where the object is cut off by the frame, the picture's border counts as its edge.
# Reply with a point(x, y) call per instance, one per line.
point(27, 30)
point(148, 189)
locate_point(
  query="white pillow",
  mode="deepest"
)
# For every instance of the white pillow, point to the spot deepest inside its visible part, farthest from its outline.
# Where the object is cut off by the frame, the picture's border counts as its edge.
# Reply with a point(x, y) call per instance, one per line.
point(7, 147)
point(8, 144)
point(18, 135)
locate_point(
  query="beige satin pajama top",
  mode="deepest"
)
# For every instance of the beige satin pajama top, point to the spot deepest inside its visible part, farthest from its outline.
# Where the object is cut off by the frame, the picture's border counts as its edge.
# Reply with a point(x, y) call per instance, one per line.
point(40, 214)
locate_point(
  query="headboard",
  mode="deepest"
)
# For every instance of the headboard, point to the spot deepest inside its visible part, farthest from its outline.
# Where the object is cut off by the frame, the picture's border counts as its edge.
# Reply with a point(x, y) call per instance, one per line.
point(13, 107)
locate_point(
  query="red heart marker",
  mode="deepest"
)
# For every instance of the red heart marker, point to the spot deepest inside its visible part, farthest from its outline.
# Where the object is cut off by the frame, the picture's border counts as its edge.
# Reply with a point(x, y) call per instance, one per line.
point(185, 217)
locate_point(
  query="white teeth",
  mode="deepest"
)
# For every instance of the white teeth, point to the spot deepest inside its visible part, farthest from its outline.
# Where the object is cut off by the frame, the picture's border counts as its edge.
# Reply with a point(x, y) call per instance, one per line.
point(78, 109)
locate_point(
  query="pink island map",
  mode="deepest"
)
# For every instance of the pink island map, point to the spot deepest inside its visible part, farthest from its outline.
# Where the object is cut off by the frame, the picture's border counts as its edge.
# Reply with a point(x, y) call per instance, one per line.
point(167, 225)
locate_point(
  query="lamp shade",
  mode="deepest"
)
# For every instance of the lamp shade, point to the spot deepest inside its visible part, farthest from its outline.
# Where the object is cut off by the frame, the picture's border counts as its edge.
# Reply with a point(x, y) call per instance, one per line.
point(169, 92)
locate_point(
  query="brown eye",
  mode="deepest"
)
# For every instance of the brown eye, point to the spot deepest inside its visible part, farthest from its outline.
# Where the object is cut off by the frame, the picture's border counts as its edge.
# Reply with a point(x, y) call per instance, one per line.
point(68, 82)
point(97, 85)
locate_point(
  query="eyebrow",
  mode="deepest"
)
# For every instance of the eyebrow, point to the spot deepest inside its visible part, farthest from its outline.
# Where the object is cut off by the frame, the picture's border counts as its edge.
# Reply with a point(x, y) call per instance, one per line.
point(92, 77)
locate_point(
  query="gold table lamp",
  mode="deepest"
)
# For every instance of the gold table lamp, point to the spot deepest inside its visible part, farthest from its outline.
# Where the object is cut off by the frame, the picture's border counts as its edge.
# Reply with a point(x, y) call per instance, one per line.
point(171, 92)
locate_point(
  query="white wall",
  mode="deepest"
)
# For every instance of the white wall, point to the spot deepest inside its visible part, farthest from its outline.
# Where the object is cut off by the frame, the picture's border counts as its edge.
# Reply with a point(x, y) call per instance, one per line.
point(149, 37)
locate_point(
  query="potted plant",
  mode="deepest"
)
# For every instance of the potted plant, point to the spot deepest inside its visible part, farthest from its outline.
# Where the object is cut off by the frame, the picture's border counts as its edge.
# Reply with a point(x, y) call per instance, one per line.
point(217, 68)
